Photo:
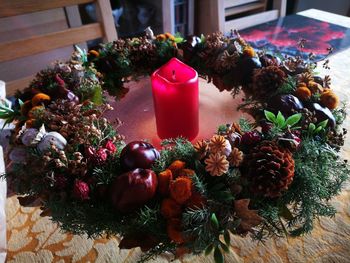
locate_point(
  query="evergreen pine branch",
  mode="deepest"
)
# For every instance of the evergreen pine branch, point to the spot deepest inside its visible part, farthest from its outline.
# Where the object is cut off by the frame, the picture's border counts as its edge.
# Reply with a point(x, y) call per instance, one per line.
point(175, 149)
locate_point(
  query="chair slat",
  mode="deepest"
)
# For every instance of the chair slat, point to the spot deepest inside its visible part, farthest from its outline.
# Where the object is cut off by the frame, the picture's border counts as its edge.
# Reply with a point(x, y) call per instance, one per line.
point(19, 7)
point(38, 44)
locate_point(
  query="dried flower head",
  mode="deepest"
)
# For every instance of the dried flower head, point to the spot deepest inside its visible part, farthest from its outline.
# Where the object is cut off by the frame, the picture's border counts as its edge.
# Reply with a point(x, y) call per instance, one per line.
point(228, 60)
point(216, 164)
point(236, 157)
point(181, 189)
point(219, 144)
point(201, 148)
point(305, 77)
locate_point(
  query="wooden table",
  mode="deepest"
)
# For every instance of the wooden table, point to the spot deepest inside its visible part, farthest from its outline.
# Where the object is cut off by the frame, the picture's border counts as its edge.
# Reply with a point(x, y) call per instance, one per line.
point(32, 238)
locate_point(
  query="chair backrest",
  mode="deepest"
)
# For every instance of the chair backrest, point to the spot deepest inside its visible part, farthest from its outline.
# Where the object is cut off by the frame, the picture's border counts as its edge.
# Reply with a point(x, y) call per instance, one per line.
point(104, 28)
point(221, 15)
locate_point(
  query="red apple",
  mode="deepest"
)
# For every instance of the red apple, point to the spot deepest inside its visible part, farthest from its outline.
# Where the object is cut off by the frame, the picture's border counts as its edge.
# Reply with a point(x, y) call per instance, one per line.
point(133, 189)
point(138, 154)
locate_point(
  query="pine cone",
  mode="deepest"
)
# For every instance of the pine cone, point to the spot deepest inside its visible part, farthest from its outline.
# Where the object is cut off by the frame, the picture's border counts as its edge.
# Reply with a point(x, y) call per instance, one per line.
point(266, 81)
point(269, 169)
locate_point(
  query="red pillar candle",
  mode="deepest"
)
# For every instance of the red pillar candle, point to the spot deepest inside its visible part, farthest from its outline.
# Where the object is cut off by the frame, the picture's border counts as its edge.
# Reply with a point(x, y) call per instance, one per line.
point(175, 97)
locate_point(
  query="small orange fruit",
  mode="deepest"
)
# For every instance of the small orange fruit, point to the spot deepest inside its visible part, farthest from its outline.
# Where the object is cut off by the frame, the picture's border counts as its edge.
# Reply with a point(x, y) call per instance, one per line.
point(40, 98)
point(249, 51)
point(303, 93)
point(315, 87)
point(329, 99)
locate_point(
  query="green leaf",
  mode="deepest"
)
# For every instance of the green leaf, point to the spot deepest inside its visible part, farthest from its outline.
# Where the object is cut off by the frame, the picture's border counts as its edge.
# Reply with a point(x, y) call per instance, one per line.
point(214, 221)
point(224, 247)
point(270, 116)
point(97, 96)
point(323, 124)
point(318, 129)
point(227, 237)
point(280, 120)
point(218, 257)
point(312, 127)
point(179, 40)
point(209, 249)
point(294, 119)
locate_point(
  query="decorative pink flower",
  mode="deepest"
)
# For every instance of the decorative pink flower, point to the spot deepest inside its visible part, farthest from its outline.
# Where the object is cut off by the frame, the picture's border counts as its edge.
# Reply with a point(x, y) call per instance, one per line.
point(81, 190)
point(110, 147)
point(101, 155)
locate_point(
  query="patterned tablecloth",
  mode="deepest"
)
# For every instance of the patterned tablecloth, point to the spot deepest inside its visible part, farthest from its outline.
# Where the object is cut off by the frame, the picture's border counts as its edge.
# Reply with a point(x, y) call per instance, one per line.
point(32, 238)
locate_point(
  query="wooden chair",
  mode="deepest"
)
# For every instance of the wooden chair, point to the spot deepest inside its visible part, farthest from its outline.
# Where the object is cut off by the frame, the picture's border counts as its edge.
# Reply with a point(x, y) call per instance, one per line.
point(12, 50)
point(214, 15)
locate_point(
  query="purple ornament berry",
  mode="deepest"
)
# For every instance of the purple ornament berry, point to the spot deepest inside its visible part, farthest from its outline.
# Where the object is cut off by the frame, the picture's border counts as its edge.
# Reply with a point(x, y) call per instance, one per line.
point(251, 138)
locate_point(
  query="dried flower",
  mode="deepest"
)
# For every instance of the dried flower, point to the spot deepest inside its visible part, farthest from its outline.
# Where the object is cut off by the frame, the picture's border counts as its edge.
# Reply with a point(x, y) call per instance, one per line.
point(170, 209)
point(219, 144)
point(305, 77)
point(327, 81)
point(181, 189)
point(164, 179)
point(201, 148)
point(176, 166)
point(236, 157)
point(81, 190)
point(228, 60)
point(216, 164)
point(174, 230)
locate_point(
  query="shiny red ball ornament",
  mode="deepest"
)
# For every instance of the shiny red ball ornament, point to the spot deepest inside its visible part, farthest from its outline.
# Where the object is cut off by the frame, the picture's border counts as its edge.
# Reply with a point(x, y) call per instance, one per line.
point(138, 154)
point(133, 189)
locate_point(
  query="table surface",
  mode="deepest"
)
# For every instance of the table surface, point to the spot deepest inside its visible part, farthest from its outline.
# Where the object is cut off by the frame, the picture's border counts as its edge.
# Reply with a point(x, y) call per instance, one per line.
point(32, 238)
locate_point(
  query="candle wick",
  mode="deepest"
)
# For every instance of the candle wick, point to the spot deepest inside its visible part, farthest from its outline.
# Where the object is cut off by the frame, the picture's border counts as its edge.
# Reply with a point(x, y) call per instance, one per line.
point(174, 78)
